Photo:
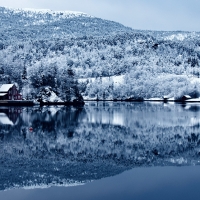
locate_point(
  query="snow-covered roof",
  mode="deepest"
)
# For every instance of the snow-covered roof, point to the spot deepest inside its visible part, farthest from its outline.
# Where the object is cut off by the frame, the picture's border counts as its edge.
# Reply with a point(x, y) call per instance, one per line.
point(5, 87)
point(2, 94)
point(187, 96)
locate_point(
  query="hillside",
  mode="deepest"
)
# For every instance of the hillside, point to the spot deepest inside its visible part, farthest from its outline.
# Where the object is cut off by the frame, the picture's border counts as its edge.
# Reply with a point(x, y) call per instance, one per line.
point(44, 43)
point(25, 24)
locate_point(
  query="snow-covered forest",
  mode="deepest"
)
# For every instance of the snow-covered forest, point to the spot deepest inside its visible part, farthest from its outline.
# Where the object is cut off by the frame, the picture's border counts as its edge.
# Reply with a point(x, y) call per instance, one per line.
point(38, 48)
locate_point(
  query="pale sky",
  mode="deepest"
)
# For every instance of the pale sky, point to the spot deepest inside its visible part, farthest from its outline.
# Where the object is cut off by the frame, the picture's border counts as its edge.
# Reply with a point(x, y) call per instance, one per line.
point(165, 15)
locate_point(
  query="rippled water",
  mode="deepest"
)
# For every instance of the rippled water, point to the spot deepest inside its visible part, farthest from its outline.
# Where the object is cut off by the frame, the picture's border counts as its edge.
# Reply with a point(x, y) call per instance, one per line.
point(107, 150)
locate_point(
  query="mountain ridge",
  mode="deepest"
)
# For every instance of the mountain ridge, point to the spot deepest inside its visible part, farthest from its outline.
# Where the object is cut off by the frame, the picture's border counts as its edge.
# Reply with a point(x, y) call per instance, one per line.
point(52, 16)
point(54, 24)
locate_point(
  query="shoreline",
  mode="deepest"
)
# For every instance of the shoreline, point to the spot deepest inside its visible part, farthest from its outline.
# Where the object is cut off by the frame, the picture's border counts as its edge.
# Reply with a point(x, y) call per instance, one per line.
point(16, 103)
point(32, 103)
point(147, 100)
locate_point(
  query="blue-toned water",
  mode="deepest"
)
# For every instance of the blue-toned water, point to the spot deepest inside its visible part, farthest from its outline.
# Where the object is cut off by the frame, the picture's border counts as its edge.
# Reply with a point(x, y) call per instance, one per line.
point(100, 151)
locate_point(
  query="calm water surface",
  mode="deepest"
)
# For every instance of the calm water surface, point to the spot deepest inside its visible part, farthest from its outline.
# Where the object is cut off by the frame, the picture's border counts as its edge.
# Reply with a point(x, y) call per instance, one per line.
point(100, 151)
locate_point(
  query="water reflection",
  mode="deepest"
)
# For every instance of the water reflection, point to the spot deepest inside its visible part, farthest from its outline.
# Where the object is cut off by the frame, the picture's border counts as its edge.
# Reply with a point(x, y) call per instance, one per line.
point(46, 146)
point(9, 116)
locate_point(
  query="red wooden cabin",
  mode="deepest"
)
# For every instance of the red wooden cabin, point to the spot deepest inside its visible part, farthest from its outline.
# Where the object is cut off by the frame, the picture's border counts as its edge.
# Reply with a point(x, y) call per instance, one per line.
point(9, 92)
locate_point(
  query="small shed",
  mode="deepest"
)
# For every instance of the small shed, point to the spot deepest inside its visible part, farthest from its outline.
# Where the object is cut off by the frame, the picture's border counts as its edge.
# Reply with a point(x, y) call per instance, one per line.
point(185, 97)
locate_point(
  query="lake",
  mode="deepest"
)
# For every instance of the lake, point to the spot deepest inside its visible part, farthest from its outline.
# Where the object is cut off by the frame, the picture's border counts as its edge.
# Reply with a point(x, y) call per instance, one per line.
point(104, 150)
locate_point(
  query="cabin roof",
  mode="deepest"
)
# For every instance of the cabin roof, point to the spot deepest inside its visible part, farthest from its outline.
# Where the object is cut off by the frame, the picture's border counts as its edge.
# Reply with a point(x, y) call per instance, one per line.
point(5, 87)
point(187, 96)
point(2, 94)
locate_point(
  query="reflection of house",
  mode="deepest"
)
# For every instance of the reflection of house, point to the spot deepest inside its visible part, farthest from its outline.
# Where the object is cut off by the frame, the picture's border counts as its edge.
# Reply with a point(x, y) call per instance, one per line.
point(4, 119)
point(9, 116)
point(9, 92)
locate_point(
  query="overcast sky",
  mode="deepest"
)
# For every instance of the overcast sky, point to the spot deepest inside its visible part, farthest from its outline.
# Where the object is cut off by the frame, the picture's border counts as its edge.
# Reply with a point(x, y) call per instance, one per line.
point(138, 14)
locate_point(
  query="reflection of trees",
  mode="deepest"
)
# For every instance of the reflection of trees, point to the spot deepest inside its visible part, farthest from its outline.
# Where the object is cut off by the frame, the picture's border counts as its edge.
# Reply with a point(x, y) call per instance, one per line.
point(73, 133)
point(68, 136)
point(65, 120)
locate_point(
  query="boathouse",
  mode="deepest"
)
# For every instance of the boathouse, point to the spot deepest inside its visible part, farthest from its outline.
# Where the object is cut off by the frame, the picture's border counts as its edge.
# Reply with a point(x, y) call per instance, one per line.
point(185, 97)
point(9, 92)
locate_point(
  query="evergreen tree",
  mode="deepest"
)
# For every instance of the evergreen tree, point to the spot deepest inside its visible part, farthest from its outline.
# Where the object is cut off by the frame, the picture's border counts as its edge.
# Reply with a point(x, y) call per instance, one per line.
point(69, 86)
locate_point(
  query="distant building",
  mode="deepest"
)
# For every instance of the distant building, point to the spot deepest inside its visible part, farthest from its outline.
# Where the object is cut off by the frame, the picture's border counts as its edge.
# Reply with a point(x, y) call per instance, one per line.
point(186, 97)
point(9, 92)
